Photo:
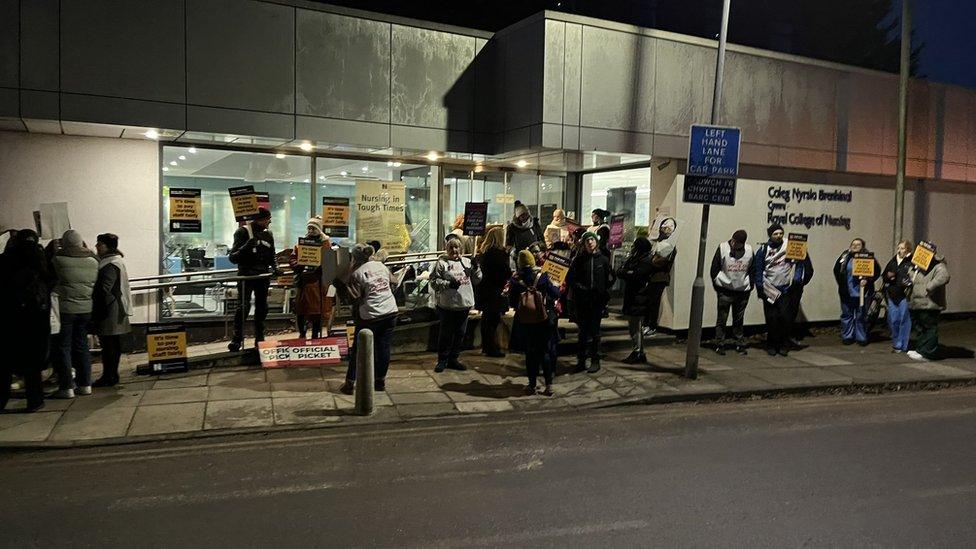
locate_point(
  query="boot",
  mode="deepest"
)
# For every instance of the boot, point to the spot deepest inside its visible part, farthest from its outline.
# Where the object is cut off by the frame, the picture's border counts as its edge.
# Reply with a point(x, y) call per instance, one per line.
point(348, 387)
point(631, 358)
point(235, 345)
point(580, 365)
point(594, 366)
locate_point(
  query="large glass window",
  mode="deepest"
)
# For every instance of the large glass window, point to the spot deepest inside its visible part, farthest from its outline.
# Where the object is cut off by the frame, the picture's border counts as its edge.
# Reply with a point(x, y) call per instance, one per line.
point(541, 195)
point(626, 192)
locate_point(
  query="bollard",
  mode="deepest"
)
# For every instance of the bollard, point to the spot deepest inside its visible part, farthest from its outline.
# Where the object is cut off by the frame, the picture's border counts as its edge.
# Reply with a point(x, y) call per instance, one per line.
point(364, 373)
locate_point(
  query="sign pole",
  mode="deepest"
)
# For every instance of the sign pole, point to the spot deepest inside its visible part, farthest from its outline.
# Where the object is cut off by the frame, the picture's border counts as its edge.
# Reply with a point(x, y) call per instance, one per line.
point(698, 288)
point(905, 67)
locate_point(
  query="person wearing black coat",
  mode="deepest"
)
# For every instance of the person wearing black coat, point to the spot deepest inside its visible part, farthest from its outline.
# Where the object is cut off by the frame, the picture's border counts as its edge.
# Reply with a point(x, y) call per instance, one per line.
point(523, 231)
point(495, 272)
point(635, 273)
point(26, 281)
point(853, 315)
point(589, 280)
point(254, 254)
point(897, 285)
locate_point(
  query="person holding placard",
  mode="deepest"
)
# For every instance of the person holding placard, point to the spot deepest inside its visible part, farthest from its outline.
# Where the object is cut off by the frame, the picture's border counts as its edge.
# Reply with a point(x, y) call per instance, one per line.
point(779, 283)
point(635, 273)
point(558, 229)
point(730, 270)
point(312, 302)
point(897, 286)
point(496, 271)
point(453, 279)
point(589, 280)
point(928, 299)
point(855, 288)
point(254, 254)
point(523, 231)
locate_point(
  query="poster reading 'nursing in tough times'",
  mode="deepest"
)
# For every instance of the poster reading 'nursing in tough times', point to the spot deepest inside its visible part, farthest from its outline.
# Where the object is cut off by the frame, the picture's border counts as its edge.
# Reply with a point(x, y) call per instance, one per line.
point(381, 214)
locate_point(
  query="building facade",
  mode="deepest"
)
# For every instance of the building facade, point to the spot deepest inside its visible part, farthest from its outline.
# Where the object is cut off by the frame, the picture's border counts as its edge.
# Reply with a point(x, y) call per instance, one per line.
point(106, 105)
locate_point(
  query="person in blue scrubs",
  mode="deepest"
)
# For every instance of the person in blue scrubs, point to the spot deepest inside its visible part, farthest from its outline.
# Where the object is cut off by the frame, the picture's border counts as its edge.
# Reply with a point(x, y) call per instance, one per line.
point(853, 314)
point(897, 285)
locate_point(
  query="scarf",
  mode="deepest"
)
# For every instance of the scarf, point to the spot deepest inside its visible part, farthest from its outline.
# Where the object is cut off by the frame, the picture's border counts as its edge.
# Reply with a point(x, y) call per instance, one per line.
point(115, 258)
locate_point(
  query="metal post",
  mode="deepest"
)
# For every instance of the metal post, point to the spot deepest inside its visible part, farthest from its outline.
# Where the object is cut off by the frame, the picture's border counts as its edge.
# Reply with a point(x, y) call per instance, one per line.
point(364, 372)
point(698, 288)
point(906, 49)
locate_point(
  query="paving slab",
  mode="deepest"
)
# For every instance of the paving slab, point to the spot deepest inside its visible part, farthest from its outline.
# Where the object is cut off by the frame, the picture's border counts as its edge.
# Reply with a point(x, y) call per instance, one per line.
point(427, 410)
point(230, 392)
point(818, 359)
point(234, 414)
point(168, 418)
point(305, 409)
point(93, 424)
point(105, 399)
point(484, 407)
point(197, 380)
point(418, 398)
point(175, 396)
point(17, 427)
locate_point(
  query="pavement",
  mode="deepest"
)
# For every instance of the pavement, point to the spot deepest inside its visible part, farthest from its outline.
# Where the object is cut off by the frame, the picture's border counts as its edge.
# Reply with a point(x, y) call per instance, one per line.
point(217, 401)
point(893, 470)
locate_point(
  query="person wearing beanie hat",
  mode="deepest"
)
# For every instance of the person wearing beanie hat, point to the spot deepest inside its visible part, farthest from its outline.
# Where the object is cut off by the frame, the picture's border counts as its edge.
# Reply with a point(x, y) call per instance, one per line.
point(533, 296)
point(77, 270)
point(253, 252)
point(112, 307)
point(779, 283)
point(373, 307)
point(523, 231)
point(731, 278)
point(312, 303)
point(453, 279)
point(589, 280)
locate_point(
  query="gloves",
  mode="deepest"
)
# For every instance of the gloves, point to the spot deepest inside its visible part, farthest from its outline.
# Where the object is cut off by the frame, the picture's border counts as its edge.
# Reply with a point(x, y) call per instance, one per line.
point(454, 284)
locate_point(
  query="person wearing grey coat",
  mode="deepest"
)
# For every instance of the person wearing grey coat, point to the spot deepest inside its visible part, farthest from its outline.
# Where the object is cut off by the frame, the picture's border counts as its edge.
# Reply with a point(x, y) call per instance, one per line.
point(76, 268)
point(926, 301)
point(112, 307)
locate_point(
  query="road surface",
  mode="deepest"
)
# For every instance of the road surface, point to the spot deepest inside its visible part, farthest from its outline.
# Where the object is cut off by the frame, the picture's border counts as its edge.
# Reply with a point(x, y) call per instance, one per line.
point(890, 470)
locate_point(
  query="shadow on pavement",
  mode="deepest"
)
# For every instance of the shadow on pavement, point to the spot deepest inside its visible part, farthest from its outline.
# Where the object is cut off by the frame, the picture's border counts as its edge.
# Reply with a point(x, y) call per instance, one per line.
point(479, 389)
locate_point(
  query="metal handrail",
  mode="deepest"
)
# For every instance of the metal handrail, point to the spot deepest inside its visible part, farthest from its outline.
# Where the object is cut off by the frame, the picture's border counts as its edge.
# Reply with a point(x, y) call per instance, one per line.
point(182, 275)
point(417, 254)
point(209, 281)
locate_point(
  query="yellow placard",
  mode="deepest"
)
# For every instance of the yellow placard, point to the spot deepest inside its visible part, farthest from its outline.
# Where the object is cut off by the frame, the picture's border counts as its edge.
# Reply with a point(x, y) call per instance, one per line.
point(244, 201)
point(796, 246)
point(185, 209)
point(309, 252)
point(863, 265)
point(556, 266)
point(923, 255)
point(335, 217)
point(166, 346)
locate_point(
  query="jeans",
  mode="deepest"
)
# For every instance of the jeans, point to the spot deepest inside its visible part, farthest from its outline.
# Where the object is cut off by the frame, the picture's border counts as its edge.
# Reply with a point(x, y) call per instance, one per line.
point(489, 331)
point(73, 350)
point(382, 338)
point(926, 325)
point(780, 317)
point(899, 323)
point(450, 335)
point(245, 288)
point(853, 319)
point(737, 302)
point(111, 356)
point(589, 320)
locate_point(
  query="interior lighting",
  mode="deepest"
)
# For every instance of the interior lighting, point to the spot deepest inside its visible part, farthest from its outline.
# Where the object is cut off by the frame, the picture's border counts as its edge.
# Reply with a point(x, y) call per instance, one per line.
point(306, 146)
point(397, 164)
point(192, 150)
point(182, 157)
point(389, 163)
point(279, 156)
point(521, 163)
point(432, 156)
point(152, 134)
point(165, 168)
point(343, 173)
point(172, 162)
point(365, 169)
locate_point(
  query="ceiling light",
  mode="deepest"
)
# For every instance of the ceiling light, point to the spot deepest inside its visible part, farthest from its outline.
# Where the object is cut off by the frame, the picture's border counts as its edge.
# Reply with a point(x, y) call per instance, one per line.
point(303, 181)
point(321, 178)
point(172, 162)
point(389, 163)
point(397, 164)
point(432, 156)
point(182, 157)
point(279, 156)
point(293, 198)
point(365, 169)
point(165, 169)
point(521, 163)
point(306, 146)
point(192, 150)
point(479, 169)
point(152, 134)
point(343, 173)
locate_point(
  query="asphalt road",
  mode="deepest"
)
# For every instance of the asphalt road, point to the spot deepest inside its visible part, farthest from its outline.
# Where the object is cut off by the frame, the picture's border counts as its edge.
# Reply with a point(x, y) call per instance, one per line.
point(893, 470)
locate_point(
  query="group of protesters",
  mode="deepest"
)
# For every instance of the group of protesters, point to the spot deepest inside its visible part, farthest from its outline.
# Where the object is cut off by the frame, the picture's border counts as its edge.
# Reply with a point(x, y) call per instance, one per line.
point(53, 297)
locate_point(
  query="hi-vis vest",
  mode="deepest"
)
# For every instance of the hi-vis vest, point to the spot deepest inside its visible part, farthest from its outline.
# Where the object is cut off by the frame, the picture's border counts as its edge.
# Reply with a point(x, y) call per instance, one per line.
point(735, 272)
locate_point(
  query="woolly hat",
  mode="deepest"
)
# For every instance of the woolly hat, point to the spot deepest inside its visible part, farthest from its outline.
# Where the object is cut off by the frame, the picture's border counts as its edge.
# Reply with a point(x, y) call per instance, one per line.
point(589, 234)
point(520, 209)
point(740, 236)
point(361, 253)
point(773, 228)
point(316, 222)
point(110, 240)
point(72, 239)
point(525, 259)
point(263, 213)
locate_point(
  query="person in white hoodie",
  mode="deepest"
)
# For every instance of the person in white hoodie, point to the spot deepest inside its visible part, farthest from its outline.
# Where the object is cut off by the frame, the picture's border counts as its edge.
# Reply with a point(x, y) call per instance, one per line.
point(453, 279)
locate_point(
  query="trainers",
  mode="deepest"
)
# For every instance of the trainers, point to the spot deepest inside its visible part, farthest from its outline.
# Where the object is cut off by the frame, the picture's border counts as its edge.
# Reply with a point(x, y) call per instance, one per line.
point(64, 394)
point(441, 366)
point(594, 367)
point(580, 365)
point(83, 390)
point(720, 350)
point(547, 391)
point(105, 382)
point(915, 355)
point(347, 388)
point(235, 346)
point(783, 352)
point(741, 349)
point(770, 351)
point(529, 390)
point(650, 332)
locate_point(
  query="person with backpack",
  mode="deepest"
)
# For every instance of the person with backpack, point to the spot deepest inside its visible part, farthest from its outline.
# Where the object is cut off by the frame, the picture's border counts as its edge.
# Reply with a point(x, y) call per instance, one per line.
point(26, 281)
point(897, 287)
point(112, 307)
point(76, 268)
point(589, 280)
point(730, 273)
point(453, 279)
point(853, 311)
point(533, 296)
point(779, 284)
point(254, 254)
point(635, 273)
point(927, 300)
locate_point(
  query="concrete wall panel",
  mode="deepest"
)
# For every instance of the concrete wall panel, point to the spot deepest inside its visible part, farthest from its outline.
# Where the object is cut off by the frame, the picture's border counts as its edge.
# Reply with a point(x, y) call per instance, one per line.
point(238, 122)
point(867, 107)
point(124, 48)
point(572, 74)
point(753, 98)
point(123, 112)
point(346, 132)
point(40, 105)
point(618, 80)
point(809, 106)
point(427, 90)
point(241, 55)
point(522, 77)
point(343, 67)
point(683, 86)
point(553, 70)
point(9, 43)
point(39, 45)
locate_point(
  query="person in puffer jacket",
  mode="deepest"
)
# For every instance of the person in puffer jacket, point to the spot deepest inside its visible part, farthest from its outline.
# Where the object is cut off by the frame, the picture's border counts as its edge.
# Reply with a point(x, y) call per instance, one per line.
point(76, 268)
point(453, 279)
point(928, 299)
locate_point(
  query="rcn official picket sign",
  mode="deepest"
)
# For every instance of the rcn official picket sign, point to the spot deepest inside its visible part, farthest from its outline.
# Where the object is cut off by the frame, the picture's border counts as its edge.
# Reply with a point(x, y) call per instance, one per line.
point(166, 348)
point(291, 353)
point(556, 266)
point(244, 201)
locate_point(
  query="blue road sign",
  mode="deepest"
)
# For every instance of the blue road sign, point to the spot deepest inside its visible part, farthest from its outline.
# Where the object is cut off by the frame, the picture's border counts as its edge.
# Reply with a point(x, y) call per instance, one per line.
point(713, 151)
point(709, 190)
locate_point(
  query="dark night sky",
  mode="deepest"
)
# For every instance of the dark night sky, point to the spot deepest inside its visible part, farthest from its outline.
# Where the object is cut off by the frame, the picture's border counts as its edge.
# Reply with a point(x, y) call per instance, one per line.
point(947, 28)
